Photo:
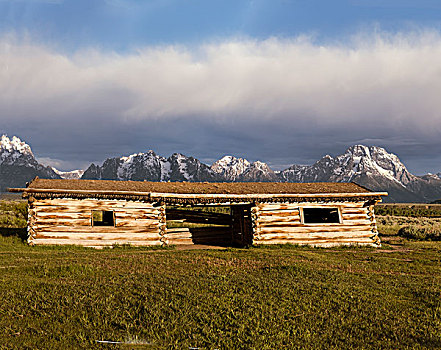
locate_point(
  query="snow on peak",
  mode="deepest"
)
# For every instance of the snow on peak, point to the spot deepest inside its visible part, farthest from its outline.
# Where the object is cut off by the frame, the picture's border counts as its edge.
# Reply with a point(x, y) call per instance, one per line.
point(357, 161)
point(129, 165)
point(14, 145)
point(13, 149)
point(73, 174)
point(374, 160)
point(230, 167)
point(260, 165)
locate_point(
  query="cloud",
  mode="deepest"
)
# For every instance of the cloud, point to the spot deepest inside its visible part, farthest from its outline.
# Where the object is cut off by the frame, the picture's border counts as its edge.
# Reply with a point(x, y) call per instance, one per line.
point(379, 86)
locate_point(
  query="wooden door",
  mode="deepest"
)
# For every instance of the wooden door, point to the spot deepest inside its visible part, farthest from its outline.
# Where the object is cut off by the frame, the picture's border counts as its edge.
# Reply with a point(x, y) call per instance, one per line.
point(242, 227)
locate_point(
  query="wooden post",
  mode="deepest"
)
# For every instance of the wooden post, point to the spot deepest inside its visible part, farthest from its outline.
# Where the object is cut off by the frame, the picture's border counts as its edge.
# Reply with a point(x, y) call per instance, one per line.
point(163, 225)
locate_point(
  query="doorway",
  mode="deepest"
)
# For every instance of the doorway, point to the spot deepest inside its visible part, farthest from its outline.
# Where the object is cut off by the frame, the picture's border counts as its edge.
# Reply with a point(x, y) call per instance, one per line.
point(203, 225)
point(211, 225)
point(242, 229)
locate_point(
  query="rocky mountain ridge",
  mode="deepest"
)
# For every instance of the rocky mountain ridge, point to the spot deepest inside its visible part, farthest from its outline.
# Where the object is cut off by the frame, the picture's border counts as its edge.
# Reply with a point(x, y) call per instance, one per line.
point(372, 167)
point(18, 164)
point(151, 167)
point(234, 169)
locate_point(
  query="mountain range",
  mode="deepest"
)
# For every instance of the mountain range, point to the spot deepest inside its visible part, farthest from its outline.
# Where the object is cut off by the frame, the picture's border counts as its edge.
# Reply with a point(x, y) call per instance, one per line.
point(372, 167)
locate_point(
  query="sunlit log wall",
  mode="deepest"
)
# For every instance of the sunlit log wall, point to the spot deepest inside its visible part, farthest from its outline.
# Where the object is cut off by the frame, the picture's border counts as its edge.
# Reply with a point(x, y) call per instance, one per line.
point(282, 223)
point(69, 221)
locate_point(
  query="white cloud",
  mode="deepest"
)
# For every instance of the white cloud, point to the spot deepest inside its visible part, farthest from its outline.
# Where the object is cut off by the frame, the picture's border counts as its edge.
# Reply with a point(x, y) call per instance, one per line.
point(377, 87)
point(395, 80)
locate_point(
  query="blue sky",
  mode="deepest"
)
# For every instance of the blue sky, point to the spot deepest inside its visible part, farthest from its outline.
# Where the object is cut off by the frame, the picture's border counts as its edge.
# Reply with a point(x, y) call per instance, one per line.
point(282, 81)
point(127, 24)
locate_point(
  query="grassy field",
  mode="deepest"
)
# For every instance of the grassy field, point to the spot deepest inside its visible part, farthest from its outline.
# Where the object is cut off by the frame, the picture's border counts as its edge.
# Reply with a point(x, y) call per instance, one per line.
point(409, 210)
point(258, 298)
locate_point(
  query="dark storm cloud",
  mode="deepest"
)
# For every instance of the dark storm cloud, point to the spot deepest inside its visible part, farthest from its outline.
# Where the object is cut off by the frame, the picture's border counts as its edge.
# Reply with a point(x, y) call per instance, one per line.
point(279, 101)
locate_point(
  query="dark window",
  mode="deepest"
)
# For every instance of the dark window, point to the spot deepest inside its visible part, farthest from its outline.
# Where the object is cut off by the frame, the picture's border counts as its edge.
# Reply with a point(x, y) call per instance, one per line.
point(321, 216)
point(102, 218)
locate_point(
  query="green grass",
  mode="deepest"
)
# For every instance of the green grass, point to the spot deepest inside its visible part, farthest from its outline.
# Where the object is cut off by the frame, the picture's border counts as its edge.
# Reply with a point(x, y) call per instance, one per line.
point(276, 297)
point(13, 214)
point(420, 228)
point(281, 297)
point(408, 209)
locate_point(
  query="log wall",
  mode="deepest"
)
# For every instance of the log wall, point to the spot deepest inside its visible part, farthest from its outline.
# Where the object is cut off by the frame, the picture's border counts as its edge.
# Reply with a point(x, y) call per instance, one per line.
point(69, 221)
point(282, 223)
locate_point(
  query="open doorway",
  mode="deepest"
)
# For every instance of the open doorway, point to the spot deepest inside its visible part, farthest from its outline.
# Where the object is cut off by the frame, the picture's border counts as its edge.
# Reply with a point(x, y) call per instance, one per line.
point(205, 225)
point(215, 225)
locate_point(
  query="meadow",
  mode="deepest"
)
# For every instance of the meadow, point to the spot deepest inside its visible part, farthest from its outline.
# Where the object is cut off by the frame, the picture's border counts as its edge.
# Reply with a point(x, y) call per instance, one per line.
point(280, 297)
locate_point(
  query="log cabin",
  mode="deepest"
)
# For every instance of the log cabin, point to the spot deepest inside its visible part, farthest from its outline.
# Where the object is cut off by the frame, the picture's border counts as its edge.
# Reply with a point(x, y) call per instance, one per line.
point(99, 213)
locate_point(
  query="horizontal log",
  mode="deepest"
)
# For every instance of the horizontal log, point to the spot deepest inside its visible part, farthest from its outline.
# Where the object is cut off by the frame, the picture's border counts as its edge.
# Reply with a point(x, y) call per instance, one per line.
point(316, 235)
point(349, 211)
point(342, 205)
point(277, 207)
point(120, 213)
point(95, 229)
point(343, 225)
point(178, 229)
point(178, 235)
point(92, 243)
point(137, 222)
point(98, 236)
point(185, 241)
point(62, 216)
point(85, 220)
point(324, 244)
point(355, 217)
point(278, 213)
point(63, 222)
point(52, 210)
point(270, 219)
point(364, 221)
point(137, 215)
point(92, 202)
point(309, 229)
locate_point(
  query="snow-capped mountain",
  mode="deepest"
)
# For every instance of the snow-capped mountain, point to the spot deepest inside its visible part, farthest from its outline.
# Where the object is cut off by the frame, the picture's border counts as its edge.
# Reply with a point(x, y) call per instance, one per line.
point(356, 161)
point(372, 167)
point(15, 152)
point(238, 169)
point(70, 175)
point(151, 167)
point(18, 164)
point(259, 172)
point(230, 168)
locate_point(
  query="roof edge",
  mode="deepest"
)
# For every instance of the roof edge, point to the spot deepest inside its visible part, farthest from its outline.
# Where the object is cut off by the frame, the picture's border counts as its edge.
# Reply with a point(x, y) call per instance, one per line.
point(196, 195)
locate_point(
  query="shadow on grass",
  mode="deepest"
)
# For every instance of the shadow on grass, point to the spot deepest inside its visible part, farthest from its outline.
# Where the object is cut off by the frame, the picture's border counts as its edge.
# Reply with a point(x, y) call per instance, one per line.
point(20, 232)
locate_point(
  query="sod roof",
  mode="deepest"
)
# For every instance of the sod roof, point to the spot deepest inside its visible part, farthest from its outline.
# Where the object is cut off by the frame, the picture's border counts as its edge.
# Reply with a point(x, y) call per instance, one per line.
point(238, 188)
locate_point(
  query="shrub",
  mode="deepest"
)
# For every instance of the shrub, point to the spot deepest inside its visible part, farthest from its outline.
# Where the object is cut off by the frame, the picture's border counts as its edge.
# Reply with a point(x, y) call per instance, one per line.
point(421, 232)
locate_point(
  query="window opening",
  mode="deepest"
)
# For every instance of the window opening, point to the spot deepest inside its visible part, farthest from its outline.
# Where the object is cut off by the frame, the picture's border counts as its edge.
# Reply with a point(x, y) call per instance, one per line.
point(321, 216)
point(103, 218)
